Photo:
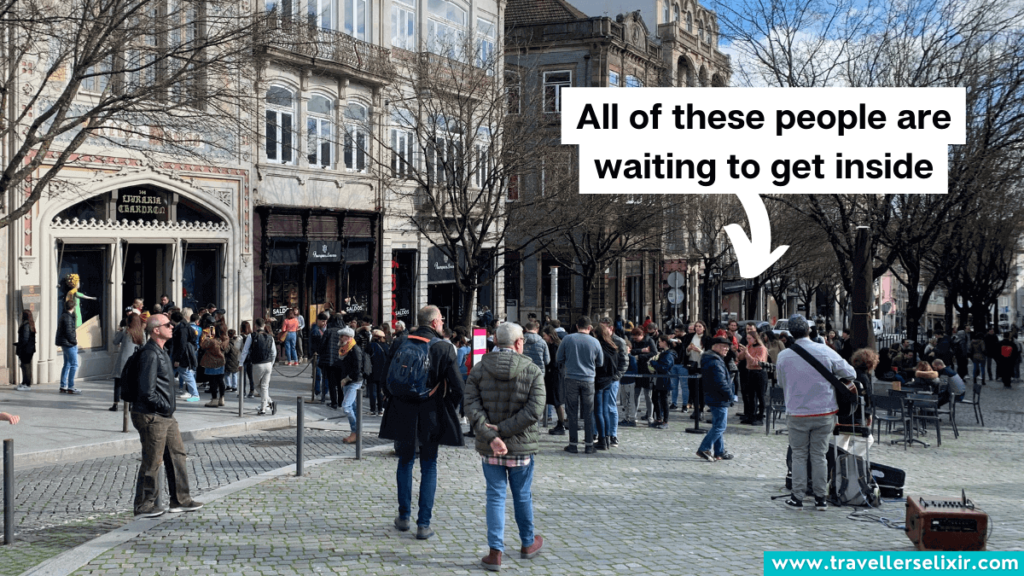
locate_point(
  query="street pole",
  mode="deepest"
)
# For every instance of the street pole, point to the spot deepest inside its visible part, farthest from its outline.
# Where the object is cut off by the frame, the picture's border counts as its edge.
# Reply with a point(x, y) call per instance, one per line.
point(861, 333)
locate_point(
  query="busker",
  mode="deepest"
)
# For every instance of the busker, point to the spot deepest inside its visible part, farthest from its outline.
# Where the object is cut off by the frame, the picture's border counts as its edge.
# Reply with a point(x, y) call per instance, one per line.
point(153, 417)
point(504, 400)
point(811, 409)
point(431, 421)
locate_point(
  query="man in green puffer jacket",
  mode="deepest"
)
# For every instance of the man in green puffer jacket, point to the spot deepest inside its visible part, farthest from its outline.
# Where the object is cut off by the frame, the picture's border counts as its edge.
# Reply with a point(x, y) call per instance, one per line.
point(504, 399)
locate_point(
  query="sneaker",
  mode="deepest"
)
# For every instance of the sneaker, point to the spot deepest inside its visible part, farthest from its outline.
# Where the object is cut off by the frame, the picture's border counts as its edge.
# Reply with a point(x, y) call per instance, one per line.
point(190, 507)
point(572, 449)
point(22, 387)
point(590, 449)
point(672, 407)
point(192, 399)
point(558, 430)
point(706, 455)
point(261, 413)
point(724, 456)
point(662, 426)
point(63, 390)
point(151, 512)
point(599, 444)
point(249, 395)
point(615, 442)
point(184, 396)
point(424, 532)
point(74, 391)
point(402, 524)
point(820, 504)
point(795, 504)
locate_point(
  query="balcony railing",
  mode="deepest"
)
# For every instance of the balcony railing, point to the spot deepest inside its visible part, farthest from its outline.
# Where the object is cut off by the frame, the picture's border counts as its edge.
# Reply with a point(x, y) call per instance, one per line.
point(331, 45)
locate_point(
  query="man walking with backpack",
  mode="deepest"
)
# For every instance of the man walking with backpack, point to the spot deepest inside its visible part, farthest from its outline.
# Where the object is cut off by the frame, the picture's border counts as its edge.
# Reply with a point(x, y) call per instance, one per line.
point(424, 390)
point(153, 416)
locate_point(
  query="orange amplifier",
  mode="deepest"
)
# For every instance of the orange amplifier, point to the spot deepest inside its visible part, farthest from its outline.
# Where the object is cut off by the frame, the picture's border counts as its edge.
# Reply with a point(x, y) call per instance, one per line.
point(946, 524)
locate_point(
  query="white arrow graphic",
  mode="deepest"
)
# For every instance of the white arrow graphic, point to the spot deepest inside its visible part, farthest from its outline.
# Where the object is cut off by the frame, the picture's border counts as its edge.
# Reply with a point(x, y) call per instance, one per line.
point(755, 255)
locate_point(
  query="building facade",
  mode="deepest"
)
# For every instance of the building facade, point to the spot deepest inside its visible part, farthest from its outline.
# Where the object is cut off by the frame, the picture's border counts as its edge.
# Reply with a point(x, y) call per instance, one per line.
point(555, 44)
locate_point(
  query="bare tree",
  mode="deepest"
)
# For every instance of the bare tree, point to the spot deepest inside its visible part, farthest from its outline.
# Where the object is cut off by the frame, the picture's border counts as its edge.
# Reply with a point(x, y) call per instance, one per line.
point(704, 217)
point(455, 159)
point(604, 229)
point(157, 78)
point(975, 44)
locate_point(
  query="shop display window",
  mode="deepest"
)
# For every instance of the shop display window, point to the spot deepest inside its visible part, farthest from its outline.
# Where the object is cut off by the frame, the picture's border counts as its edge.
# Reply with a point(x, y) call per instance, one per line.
point(83, 277)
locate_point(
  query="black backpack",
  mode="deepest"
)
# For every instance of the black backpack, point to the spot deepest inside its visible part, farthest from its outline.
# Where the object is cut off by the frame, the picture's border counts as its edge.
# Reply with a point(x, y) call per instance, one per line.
point(260, 348)
point(130, 377)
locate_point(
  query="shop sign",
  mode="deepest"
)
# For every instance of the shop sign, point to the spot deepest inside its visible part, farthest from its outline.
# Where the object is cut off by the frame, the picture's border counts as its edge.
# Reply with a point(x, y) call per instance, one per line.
point(140, 204)
point(324, 251)
point(280, 311)
point(441, 267)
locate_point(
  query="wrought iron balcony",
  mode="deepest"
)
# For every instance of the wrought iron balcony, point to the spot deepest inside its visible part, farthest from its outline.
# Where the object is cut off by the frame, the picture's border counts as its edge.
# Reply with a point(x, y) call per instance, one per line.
point(297, 38)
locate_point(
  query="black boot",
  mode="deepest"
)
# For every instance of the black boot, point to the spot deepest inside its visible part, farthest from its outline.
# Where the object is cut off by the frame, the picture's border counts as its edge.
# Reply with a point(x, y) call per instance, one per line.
point(113, 408)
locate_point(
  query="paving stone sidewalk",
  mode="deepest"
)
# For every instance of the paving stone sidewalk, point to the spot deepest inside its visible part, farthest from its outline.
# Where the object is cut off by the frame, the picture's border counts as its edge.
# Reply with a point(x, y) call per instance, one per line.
point(647, 507)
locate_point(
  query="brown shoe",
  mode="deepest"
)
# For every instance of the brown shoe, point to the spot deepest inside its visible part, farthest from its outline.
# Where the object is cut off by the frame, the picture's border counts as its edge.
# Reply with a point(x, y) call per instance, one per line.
point(492, 561)
point(350, 439)
point(220, 402)
point(212, 403)
point(527, 553)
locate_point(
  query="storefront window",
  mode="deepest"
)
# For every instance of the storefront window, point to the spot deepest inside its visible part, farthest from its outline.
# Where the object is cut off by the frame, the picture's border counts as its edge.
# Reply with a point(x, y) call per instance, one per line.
point(83, 271)
point(283, 289)
point(200, 277)
point(357, 290)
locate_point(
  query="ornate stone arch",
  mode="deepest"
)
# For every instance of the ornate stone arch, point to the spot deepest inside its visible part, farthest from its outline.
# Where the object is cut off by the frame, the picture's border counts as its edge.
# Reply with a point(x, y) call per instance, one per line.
point(216, 201)
point(685, 72)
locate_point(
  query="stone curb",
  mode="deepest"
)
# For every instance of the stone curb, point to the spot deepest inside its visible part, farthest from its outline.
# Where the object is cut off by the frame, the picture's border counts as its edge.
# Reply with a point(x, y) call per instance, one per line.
point(73, 559)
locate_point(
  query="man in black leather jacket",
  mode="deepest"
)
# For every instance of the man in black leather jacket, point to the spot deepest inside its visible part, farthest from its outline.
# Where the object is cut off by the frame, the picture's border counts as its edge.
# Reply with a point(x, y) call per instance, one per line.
point(153, 417)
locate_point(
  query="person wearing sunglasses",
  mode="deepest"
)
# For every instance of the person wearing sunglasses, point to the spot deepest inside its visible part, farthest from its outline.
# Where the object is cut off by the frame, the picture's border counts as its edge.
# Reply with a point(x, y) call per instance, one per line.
point(153, 417)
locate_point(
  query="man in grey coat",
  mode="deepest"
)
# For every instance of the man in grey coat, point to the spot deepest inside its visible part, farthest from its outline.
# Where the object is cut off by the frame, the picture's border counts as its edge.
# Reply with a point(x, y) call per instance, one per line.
point(504, 399)
point(581, 355)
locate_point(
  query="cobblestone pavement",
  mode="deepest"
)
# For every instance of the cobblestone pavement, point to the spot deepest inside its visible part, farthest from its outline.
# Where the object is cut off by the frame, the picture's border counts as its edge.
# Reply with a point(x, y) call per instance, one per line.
point(647, 507)
point(64, 505)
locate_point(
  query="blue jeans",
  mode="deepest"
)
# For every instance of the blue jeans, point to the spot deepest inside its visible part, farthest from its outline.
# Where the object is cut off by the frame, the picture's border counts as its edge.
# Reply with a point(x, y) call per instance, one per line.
point(713, 439)
point(187, 379)
point(612, 411)
point(348, 403)
point(289, 347)
point(600, 412)
point(680, 383)
point(67, 373)
point(606, 413)
point(520, 479)
point(979, 366)
point(428, 480)
point(319, 382)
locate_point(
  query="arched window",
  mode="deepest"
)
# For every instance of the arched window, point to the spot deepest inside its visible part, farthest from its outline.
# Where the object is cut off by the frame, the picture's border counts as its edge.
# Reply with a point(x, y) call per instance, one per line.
point(356, 137)
point(319, 131)
point(675, 12)
point(446, 29)
point(689, 22)
point(701, 35)
point(665, 13)
point(280, 128)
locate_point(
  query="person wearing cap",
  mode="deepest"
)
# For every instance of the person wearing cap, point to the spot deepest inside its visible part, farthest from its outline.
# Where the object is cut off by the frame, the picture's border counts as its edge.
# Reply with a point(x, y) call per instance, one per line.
point(348, 378)
point(811, 409)
point(717, 397)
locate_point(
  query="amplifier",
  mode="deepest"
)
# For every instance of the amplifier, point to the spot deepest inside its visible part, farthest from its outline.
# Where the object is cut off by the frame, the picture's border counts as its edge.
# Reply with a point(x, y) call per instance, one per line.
point(934, 524)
